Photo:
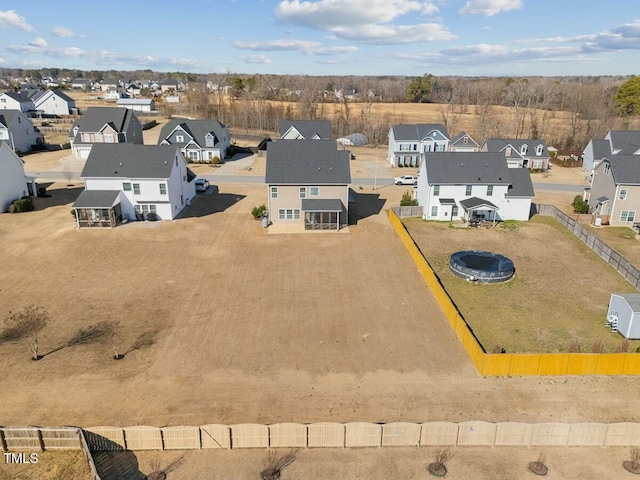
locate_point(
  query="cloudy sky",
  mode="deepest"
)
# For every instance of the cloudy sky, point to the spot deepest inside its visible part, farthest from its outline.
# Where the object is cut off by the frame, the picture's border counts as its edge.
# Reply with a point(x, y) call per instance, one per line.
point(326, 37)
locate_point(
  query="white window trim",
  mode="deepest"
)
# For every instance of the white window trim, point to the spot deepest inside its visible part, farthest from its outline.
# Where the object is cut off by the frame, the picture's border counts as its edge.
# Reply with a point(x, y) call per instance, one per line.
point(623, 194)
point(311, 194)
point(273, 192)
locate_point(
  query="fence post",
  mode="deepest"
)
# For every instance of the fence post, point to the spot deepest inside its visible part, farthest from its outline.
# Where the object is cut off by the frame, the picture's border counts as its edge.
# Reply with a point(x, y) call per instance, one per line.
point(3, 443)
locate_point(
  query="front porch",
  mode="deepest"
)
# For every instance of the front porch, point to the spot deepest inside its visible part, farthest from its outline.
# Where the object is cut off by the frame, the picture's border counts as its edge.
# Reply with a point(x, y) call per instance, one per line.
point(98, 208)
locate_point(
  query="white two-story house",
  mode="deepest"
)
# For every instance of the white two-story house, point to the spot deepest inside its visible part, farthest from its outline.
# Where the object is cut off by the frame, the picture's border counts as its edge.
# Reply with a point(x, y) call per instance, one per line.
point(17, 131)
point(408, 142)
point(16, 101)
point(128, 182)
point(469, 186)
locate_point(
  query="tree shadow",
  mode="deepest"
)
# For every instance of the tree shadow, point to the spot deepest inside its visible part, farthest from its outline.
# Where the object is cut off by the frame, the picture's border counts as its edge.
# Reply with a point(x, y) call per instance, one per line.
point(209, 204)
point(144, 340)
point(100, 332)
point(363, 205)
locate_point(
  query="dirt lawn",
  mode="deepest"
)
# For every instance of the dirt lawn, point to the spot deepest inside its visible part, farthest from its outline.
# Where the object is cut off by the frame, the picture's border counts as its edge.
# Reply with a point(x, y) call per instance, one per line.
point(250, 327)
point(51, 465)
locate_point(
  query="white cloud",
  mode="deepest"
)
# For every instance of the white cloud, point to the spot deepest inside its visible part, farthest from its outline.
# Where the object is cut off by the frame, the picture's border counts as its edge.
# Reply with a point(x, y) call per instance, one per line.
point(489, 7)
point(63, 32)
point(255, 59)
point(10, 18)
point(330, 50)
point(328, 14)
point(395, 34)
point(38, 42)
point(366, 21)
point(276, 45)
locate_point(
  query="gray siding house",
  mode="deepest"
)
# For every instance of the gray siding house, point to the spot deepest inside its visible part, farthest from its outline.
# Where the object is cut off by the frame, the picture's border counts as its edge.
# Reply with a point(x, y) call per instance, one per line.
point(308, 184)
point(305, 129)
point(104, 125)
point(199, 140)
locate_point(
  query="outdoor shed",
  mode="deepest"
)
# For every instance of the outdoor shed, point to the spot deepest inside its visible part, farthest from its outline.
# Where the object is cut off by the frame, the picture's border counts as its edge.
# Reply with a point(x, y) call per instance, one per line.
point(624, 314)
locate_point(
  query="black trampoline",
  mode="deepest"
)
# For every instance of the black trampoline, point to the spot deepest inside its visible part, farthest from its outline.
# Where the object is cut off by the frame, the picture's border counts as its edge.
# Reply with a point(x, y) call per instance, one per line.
point(479, 266)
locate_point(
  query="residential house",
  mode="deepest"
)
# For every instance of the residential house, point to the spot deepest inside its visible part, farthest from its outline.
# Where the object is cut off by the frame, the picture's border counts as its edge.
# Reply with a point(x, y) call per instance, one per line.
point(596, 150)
point(305, 129)
point(199, 140)
point(308, 184)
point(408, 142)
point(128, 181)
point(53, 102)
point(171, 86)
point(469, 186)
point(13, 182)
point(137, 104)
point(104, 125)
point(463, 143)
point(17, 131)
point(81, 84)
point(520, 153)
point(626, 142)
point(109, 85)
point(614, 193)
point(16, 101)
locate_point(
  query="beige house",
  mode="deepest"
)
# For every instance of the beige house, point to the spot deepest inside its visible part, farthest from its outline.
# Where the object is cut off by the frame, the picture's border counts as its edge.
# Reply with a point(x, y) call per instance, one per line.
point(614, 194)
point(308, 184)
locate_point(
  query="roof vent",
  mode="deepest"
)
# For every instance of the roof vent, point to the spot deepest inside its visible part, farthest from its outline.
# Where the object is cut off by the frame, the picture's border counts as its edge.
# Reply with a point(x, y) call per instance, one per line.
point(165, 162)
point(330, 168)
point(318, 168)
point(120, 163)
point(462, 164)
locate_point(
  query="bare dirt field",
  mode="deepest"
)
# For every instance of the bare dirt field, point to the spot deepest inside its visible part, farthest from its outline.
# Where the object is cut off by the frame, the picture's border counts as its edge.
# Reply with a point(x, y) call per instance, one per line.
point(560, 292)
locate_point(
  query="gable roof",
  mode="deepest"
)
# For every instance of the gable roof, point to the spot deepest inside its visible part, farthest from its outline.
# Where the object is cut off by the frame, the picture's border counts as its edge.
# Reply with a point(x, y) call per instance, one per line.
point(198, 129)
point(417, 131)
point(601, 148)
point(521, 185)
point(625, 169)
point(307, 162)
point(18, 97)
point(460, 136)
point(125, 160)
point(97, 117)
point(7, 117)
point(498, 144)
point(627, 141)
point(480, 168)
point(307, 128)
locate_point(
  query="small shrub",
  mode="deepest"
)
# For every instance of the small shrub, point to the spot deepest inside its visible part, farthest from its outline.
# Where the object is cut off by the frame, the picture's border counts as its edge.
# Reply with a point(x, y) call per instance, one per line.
point(258, 211)
point(152, 216)
point(73, 213)
point(408, 200)
point(42, 192)
point(216, 160)
point(25, 204)
point(579, 205)
point(11, 209)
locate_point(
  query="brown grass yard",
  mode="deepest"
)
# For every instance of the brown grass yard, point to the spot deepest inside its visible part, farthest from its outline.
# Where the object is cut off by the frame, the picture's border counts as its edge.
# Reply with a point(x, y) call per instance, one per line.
point(251, 327)
point(622, 239)
point(560, 292)
point(50, 465)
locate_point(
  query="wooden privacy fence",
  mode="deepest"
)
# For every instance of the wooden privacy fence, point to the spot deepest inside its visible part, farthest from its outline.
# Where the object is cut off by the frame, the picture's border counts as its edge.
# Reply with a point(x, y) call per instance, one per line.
point(406, 212)
point(20, 439)
point(333, 435)
point(623, 266)
point(513, 363)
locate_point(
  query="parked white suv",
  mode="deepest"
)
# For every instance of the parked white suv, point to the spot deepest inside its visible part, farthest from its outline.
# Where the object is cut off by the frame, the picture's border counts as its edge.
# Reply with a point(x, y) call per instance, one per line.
point(202, 184)
point(405, 180)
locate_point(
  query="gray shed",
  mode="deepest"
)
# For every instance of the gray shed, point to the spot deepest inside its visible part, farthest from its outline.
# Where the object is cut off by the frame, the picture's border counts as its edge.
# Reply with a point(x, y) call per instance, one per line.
point(623, 315)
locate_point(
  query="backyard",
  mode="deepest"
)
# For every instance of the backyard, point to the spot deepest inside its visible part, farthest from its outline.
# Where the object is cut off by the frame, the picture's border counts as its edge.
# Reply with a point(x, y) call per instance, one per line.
point(557, 300)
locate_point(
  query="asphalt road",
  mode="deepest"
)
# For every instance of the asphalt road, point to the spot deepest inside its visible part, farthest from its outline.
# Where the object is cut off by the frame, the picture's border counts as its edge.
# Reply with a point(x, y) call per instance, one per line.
point(53, 175)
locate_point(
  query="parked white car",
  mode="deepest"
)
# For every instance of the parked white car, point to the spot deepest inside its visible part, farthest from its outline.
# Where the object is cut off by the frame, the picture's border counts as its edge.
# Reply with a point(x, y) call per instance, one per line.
point(406, 180)
point(202, 184)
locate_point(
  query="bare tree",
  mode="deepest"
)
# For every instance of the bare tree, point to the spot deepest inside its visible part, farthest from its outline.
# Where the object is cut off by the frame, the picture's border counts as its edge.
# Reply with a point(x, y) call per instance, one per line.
point(26, 325)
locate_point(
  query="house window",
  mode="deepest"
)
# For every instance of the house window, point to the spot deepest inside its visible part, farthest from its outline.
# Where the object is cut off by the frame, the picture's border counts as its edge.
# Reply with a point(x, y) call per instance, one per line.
point(181, 200)
point(314, 191)
point(180, 138)
point(507, 152)
point(108, 138)
point(436, 190)
point(289, 214)
point(415, 147)
point(281, 214)
point(126, 186)
point(145, 208)
point(193, 155)
point(274, 192)
point(209, 141)
point(523, 150)
point(434, 211)
point(303, 192)
point(454, 211)
point(137, 208)
point(176, 161)
point(136, 189)
point(152, 208)
point(489, 190)
point(607, 168)
point(468, 190)
point(85, 137)
point(627, 216)
point(163, 189)
point(465, 140)
point(539, 150)
point(623, 194)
